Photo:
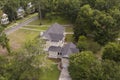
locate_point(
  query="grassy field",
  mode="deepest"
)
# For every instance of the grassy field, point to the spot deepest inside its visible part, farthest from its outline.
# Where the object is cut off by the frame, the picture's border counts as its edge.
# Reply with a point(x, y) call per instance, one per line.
point(50, 74)
point(19, 37)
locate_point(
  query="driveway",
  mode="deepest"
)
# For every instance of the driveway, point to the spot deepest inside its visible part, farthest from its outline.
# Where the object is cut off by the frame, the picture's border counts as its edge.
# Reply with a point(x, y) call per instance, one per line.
point(14, 28)
point(64, 75)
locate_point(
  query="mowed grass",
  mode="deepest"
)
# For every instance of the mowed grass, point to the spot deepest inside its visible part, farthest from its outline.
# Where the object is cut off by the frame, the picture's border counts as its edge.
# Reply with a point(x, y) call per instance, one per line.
point(119, 35)
point(52, 74)
point(21, 20)
point(69, 29)
point(19, 37)
point(42, 27)
point(69, 38)
point(46, 21)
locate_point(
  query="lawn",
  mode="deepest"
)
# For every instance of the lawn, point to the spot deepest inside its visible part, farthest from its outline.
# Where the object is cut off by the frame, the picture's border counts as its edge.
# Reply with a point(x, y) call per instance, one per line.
point(69, 29)
point(20, 20)
point(17, 40)
point(57, 19)
point(42, 27)
point(119, 35)
point(50, 74)
point(69, 38)
point(19, 37)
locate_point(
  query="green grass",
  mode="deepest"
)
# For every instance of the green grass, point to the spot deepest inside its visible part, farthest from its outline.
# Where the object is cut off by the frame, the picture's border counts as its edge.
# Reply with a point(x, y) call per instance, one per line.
point(37, 27)
point(19, 37)
point(20, 20)
point(50, 74)
point(119, 35)
point(69, 38)
point(69, 29)
point(36, 22)
point(59, 20)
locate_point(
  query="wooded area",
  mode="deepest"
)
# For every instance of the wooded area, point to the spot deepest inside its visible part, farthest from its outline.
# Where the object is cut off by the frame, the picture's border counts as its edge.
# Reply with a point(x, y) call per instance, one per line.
point(96, 29)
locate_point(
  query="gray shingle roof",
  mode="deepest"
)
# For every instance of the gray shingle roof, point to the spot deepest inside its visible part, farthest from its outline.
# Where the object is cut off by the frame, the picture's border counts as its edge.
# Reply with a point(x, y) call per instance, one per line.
point(54, 48)
point(56, 37)
point(55, 32)
point(69, 48)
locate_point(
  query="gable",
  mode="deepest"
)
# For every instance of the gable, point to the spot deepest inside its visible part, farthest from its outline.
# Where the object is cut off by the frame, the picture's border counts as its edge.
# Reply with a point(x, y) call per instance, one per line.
point(54, 33)
point(69, 48)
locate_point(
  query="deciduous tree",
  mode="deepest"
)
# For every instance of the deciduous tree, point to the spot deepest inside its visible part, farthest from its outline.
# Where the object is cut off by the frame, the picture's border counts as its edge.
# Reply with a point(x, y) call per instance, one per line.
point(112, 52)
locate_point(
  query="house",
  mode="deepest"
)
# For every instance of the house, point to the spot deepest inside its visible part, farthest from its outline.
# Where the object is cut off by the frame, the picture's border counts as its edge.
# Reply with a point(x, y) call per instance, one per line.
point(4, 19)
point(54, 52)
point(30, 8)
point(20, 13)
point(62, 52)
point(54, 36)
point(55, 45)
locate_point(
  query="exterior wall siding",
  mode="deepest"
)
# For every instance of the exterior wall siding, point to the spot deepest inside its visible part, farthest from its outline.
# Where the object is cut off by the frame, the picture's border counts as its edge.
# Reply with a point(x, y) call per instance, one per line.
point(53, 54)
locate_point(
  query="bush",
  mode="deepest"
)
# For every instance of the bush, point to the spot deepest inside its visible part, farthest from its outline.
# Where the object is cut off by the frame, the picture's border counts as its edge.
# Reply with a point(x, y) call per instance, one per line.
point(85, 44)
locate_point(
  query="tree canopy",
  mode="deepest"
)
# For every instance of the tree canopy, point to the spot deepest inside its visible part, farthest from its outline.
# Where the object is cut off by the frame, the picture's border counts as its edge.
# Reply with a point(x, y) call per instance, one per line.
point(85, 66)
point(4, 41)
point(112, 52)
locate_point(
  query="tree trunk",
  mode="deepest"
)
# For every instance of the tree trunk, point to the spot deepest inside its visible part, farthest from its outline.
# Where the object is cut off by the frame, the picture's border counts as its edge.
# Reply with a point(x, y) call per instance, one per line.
point(40, 15)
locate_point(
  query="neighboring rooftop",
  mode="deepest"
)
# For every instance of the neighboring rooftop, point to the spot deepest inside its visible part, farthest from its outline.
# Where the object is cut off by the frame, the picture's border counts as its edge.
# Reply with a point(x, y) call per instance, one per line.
point(4, 15)
point(30, 5)
point(20, 9)
point(55, 32)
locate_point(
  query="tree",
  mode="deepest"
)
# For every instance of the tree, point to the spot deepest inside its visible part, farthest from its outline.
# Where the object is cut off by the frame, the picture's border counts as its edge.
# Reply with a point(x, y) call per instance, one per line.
point(30, 62)
point(4, 41)
point(10, 8)
point(112, 52)
point(4, 64)
point(68, 8)
point(41, 6)
point(111, 70)
point(2, 3)
point(105, 28)
point(82, 43)
point(83, 66)
point(106, 5)
point(101, 26)
point(83, 23)
point(115, 13)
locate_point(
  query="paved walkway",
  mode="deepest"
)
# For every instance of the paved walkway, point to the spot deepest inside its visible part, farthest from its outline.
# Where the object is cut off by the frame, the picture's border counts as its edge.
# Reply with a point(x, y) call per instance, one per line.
point(69, 33)
point(16, 27)
point(64, 75)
